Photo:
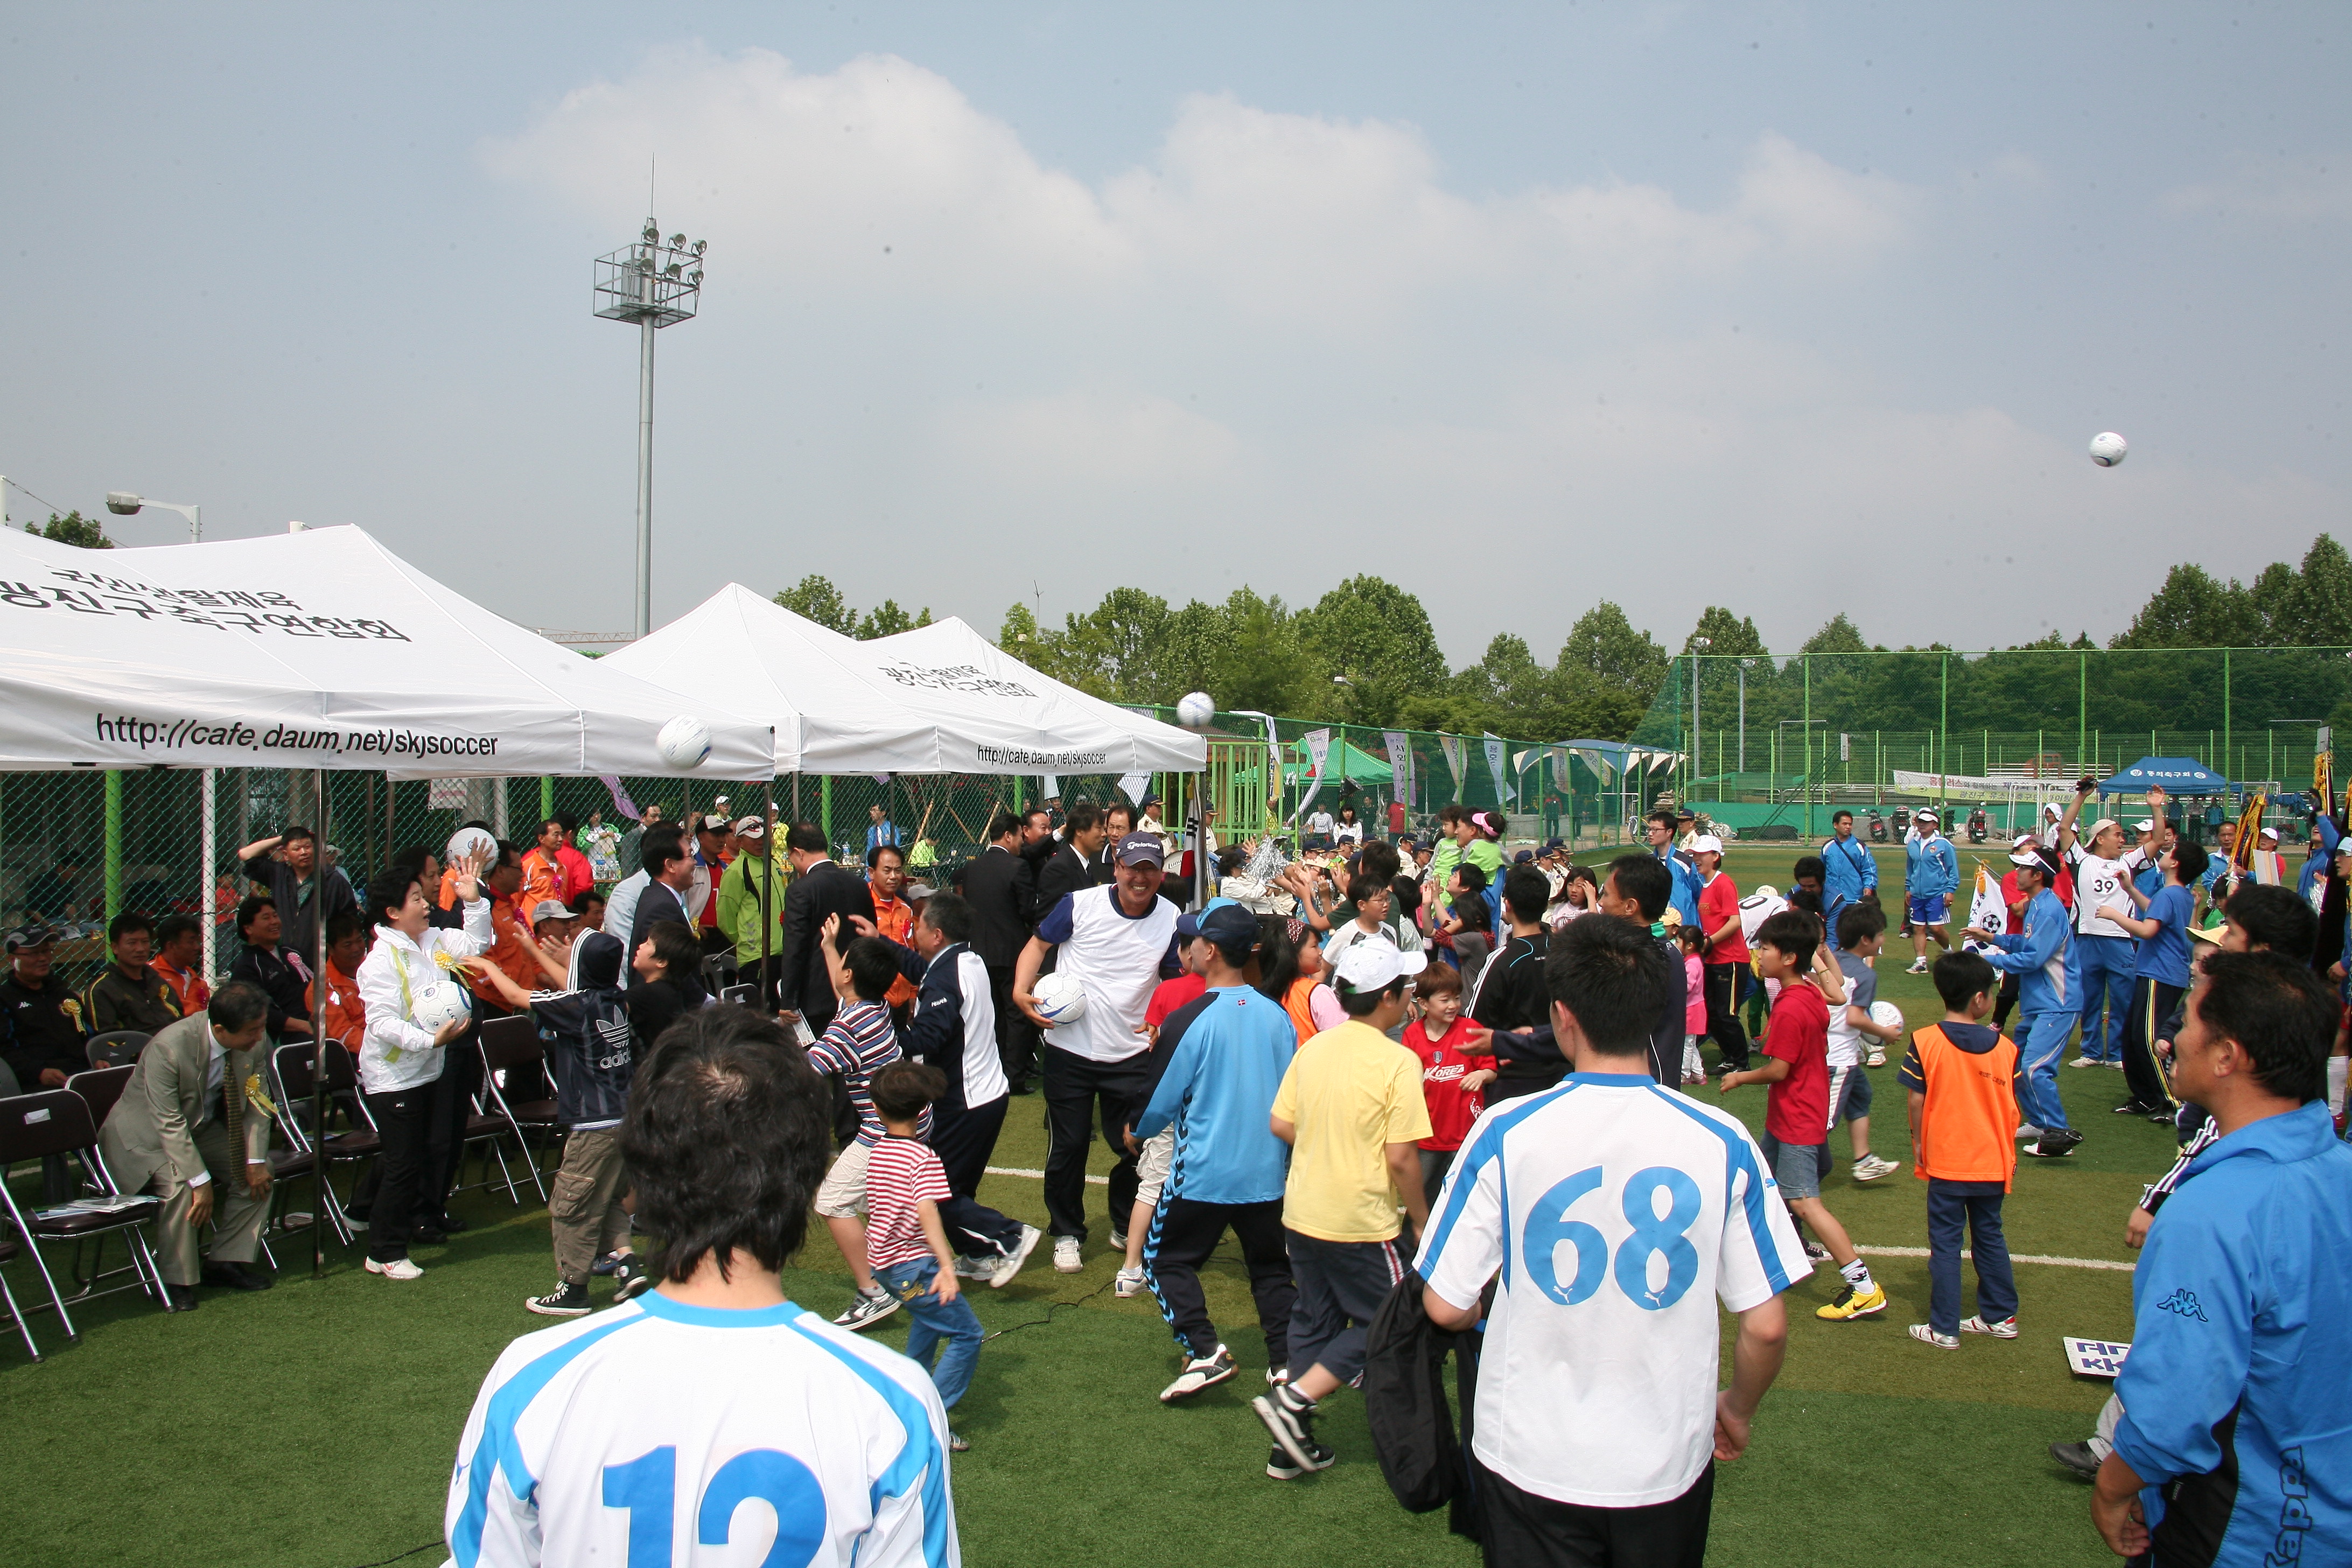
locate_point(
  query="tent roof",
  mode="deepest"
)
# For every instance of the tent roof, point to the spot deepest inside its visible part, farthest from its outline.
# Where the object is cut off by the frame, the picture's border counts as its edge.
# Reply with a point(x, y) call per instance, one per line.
point(1344, 761)
point(304, 650)
point(2180, 775)
point(940, 698)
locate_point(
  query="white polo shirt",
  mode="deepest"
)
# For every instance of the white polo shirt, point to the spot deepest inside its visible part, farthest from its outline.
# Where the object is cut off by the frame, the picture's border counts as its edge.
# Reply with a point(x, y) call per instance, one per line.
point(1117, 959)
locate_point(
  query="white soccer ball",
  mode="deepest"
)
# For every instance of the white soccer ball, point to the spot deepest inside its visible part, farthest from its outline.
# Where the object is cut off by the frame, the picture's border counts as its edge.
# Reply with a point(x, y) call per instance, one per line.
point(683, 741)
point(2107, 449)
point(1887, 1015)
point(1060, 998)
point(442, 1004)
point(465, 843)
point(1194, 711)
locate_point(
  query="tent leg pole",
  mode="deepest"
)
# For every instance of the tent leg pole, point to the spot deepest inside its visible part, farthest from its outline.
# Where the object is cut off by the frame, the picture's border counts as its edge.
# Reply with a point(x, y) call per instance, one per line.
point(318, 1039)
point(767, 884)
point(204, 899)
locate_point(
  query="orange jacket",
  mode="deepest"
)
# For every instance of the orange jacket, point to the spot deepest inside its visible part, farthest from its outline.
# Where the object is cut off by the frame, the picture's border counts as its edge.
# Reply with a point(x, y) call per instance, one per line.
point(346, 1014)
point(1968, 1129)
point(895, 917)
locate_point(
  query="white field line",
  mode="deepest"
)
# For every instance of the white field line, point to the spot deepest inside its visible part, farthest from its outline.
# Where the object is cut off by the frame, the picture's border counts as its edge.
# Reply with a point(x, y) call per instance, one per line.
point(1865, 1251)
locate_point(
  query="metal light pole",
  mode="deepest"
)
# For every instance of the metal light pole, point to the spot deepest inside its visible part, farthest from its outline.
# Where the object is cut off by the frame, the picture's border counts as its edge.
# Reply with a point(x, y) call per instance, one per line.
point(1696, 771)
point(127, 503)
point(654, 283)
point(1743, 713)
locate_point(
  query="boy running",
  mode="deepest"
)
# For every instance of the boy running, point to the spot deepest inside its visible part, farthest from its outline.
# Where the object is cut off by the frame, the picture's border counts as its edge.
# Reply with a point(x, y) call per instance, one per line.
point(858, 1043)
point(1860, 932)
point(1797, 1111)
point(905, 1186)
point(1963, 1081)
point(2162, 976)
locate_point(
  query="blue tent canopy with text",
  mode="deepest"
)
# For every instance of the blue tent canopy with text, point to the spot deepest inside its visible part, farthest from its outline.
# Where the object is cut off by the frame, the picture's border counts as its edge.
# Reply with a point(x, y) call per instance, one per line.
point(2175, 776)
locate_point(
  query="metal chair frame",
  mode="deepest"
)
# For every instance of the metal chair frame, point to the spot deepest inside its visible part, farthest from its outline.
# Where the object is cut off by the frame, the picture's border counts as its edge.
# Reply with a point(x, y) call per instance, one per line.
point(67, 1128)
point(509, 1045)
point(108, 1050)
point(341, 1076)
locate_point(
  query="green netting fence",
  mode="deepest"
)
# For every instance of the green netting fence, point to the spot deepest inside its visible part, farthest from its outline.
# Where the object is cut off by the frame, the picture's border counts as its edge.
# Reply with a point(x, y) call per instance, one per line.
point(1762, 741)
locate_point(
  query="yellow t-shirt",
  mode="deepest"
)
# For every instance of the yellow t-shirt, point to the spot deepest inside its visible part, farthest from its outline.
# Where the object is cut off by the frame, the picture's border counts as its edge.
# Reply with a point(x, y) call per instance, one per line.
point(1350, 1092)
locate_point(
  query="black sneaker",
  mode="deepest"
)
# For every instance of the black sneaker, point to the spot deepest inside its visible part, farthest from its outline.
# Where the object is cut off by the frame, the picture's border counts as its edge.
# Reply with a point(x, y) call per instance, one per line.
point(2133, 1107)
point(868, 1310)
point(566, 1300)
point(2077, 1458)
point(632, 1277)
point(1200, 1373)
point(1289, 1416)
point(1282, 1468)
point(2055, 1144)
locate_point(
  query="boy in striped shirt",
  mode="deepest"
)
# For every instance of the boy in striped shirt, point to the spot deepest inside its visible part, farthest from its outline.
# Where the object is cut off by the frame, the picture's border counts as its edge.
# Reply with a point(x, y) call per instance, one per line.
point(908, 1245)
point(856, 1045)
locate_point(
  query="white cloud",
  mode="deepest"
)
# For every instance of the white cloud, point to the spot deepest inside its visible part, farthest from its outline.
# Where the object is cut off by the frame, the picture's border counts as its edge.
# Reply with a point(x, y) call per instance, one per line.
point(2312, 192)
point(1088, 444)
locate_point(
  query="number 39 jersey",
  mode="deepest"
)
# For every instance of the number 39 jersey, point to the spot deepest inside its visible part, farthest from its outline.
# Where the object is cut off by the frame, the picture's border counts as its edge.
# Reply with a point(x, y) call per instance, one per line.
point(657, 1434)
point(1617, 1214)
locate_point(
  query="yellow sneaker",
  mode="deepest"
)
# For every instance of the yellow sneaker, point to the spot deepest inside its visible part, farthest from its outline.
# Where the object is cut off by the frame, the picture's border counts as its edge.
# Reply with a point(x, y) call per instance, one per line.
point(1851, 1304)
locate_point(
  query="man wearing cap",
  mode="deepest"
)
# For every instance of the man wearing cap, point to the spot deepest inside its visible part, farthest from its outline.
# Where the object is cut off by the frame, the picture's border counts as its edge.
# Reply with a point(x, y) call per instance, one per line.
point(1352, 1110)
point(820, 889)
point(1849, 871)
point(2042, 956)
point(1931, 875)
point(1219, 1058)
point(1724, 958)
point(2104, 955)
point(749, 893)
point(1117, 942)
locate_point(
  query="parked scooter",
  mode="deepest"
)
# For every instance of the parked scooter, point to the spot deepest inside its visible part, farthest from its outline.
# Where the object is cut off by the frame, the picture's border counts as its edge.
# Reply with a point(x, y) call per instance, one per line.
point(1877, 827)
point(1977, 826)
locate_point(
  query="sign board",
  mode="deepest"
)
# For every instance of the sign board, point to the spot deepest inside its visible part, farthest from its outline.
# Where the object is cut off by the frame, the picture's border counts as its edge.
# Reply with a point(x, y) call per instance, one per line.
point(2094, 1358)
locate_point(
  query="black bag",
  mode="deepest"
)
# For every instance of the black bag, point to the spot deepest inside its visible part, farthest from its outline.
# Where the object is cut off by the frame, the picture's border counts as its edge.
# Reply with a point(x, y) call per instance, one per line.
point(1405, 1405)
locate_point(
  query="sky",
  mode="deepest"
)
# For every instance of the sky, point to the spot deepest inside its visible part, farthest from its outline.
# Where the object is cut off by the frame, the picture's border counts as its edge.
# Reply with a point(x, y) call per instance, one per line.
point(1796, 309)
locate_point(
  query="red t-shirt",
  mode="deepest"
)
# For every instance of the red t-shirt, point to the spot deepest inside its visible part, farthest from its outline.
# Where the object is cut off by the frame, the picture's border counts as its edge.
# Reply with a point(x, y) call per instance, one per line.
point(2013, 920)
point(1171, 995)
point(1397, 819)
point(1797, 1109)
point(1719, 901)
point(1452, 1108)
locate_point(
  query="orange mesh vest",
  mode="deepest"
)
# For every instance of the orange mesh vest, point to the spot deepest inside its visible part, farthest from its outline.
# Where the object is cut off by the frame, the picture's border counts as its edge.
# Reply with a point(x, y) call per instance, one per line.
point(1295, 1003)
point(1968, 1131)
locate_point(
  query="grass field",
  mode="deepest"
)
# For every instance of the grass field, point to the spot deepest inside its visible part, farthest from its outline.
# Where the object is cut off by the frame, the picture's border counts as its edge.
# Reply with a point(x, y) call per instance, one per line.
point(314, 1427)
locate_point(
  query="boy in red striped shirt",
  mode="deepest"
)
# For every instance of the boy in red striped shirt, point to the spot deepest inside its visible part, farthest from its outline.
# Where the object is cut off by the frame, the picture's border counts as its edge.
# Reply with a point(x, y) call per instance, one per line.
point(906, 1244)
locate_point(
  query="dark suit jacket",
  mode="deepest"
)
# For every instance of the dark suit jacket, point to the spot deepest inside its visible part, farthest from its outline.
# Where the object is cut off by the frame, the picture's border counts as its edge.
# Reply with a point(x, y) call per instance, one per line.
point(825, 889)
point(659, 901)
point(1064, 873)
point(1003, 893)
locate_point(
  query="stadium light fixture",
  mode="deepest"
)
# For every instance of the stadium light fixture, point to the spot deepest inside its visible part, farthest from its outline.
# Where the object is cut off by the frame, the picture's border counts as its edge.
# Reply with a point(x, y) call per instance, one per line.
point(648, 283)
point(126, 503)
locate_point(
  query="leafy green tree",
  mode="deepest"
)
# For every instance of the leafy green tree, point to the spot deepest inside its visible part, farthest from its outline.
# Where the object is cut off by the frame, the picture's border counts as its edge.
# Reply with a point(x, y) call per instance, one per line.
point(1608, 673)
point(816, 599)
point(2193, 609)
point(85, 532)
point(1838, 635)
point(888, 620)
point(1728, 636)
point(2318, 613)
point(1375, 639)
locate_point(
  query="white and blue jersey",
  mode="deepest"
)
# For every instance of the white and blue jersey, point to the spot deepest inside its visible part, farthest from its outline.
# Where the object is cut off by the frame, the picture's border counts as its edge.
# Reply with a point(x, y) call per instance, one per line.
point(1617, 1214)
point(640, 1436)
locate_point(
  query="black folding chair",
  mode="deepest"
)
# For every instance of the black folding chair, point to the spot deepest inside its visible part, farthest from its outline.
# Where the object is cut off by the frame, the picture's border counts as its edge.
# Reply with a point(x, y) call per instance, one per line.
point(101, 1088)
point(290, 1066)
point(9, 1252)
point(58, 1121)
point(515, 1083)
point(115, 1048)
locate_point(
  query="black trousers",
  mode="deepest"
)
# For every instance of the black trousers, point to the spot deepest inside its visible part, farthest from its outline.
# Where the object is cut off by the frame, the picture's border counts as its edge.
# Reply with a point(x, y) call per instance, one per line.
point(1078, 1091)
point(1017, 1036)
point(405, 1168)
point(1183, 1233)
point(453, 1104)
point(963, 1139)
point(1520, 1529)
point(2152, 1002)
point(1723, 1024)
point(2006, 1002)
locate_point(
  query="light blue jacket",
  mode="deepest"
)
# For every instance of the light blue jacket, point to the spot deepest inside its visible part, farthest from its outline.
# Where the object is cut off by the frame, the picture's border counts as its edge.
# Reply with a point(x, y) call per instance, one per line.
point(1931, 867)
point(2235, 1388)
point(2042, 956)
point(1849, 872)
point(1218, 1093)
point(1686, 886)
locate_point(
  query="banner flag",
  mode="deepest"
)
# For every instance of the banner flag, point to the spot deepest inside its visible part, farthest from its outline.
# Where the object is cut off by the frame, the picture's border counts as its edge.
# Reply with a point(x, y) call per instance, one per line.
point(1452, 746)
point(1319, 752)
point(1399, 762)
point(1497, 751)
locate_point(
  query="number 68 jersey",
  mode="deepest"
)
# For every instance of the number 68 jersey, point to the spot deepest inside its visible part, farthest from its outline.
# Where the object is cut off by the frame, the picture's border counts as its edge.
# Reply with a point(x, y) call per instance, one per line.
point(657, 1433)
point(1617, 1213)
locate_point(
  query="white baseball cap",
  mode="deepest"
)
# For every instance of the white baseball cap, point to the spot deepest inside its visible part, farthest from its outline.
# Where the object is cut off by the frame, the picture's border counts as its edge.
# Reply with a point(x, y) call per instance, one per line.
point(2145, 825)
point(1925, 817)
point(1706, 841)
point(1376, 964)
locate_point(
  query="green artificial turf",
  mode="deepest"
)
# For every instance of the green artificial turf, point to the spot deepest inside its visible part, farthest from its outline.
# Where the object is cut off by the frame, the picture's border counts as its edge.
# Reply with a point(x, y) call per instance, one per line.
point(313, 1426)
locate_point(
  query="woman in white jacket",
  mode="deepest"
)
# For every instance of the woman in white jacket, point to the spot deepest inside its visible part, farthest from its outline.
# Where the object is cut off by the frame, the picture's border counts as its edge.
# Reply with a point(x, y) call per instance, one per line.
point(400, 1061)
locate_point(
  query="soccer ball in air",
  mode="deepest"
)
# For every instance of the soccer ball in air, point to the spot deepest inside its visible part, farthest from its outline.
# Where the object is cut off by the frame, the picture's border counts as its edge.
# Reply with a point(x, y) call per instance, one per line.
point(683, 741)
point(442, 1004)
point(1887, 1015)
point(1060, 998)
point(1195, 711)
point(2107, 449)
point(469, 842)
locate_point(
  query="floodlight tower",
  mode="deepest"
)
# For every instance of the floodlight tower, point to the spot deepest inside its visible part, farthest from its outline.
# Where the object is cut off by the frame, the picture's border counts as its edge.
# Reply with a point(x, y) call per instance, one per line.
point(655, 283)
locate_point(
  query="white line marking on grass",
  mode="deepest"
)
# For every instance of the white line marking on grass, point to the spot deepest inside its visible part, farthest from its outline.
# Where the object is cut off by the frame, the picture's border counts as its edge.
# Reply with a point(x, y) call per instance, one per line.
point(2013, 1258)
point(1035, 1175)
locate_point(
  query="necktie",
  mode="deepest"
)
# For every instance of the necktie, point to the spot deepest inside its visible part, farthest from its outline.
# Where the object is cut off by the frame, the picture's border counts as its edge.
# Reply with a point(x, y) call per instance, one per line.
point(232, 1109)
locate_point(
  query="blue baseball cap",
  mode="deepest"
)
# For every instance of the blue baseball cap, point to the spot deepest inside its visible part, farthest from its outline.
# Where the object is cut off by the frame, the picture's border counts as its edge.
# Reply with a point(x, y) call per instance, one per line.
point(1188, 924)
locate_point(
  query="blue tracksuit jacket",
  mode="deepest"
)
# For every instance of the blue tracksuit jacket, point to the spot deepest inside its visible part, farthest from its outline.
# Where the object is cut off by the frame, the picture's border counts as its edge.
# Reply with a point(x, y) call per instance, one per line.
point(1931, 867)
point(1850, 870)
point(1218, 1091)
point(2041, 957)
point(2234, 1393)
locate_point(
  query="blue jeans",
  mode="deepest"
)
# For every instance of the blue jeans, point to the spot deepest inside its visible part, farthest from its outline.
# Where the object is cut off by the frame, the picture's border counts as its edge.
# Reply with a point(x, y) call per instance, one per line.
point(934, 1320)
point(1975, 1206)
point(2043, 1040)
point(2108, 966)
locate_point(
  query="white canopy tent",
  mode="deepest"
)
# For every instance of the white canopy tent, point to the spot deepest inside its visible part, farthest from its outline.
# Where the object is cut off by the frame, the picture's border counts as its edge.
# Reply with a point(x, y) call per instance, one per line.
point(937, 699)
point(318, 650)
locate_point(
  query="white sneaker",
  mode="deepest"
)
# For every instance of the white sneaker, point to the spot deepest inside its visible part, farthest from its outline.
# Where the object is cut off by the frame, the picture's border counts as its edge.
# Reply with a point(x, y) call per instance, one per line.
point(1870, 1168)
point(1927, 1335)
point(1118, 1241)
point(1200, 1374)
point(1066, 1256)
point(2083, 1062)
point(2028, 1134)
point(976, 1268)
point(1918, 966)
point(867, 1310)
point(398, 1268)
point(2005, 1329)
point(1010, 1263)
point(1127, 1282)
point(1877, 1058)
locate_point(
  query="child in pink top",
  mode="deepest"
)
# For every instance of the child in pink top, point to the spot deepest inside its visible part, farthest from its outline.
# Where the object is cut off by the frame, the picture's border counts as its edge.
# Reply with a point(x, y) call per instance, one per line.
point(1694, 1007)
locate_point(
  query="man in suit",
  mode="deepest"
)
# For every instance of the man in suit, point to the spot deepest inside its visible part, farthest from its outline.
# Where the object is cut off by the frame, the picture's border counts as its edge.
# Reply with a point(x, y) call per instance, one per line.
point(1001, 892)
point(819, 888)
point(1071, 865)
point(669, 868)
point(193, 1102)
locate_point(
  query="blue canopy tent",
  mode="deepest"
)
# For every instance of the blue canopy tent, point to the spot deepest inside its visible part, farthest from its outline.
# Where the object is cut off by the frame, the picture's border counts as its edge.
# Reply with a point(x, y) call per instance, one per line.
point(2175, 776)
